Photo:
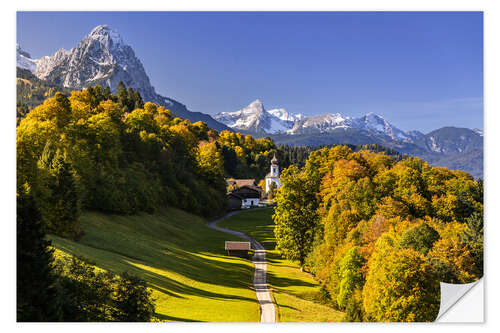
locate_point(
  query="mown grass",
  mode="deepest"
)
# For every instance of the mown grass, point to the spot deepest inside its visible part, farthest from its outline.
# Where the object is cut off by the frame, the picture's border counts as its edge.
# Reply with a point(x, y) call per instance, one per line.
point(182, 260)
point(296, 293)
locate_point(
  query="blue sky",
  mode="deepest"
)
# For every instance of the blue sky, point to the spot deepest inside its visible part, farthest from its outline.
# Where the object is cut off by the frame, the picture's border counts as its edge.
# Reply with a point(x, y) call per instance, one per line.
point(420, 70)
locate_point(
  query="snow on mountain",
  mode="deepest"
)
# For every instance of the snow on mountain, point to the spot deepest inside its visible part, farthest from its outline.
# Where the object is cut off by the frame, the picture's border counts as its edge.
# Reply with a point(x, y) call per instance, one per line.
point(319, 124)
point(374, 122)
point(102, 58)
point(478, 131)
point(284, 115)
point(255, 118)
point(24, 59)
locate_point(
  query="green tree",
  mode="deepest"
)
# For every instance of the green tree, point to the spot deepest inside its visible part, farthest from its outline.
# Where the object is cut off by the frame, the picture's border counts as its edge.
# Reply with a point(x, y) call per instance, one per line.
point(295, 216)
point(85, 291)
point(37, 296)
point(420, 238)
point(132, 300)
point(60, 201)
point(351, 278)
point(474, 239)
point(272, 190)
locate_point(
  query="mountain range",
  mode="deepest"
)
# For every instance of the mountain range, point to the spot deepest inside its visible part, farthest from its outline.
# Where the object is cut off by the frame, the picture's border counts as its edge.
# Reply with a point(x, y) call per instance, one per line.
point(102, 57)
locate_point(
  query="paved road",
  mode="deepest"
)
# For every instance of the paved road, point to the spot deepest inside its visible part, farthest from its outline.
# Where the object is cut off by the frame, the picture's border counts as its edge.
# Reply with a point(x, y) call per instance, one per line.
point(267, 310)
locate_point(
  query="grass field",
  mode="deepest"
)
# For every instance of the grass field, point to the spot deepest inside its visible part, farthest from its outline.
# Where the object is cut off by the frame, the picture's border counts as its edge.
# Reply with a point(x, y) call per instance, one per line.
point(182, 260)
point(296, 293)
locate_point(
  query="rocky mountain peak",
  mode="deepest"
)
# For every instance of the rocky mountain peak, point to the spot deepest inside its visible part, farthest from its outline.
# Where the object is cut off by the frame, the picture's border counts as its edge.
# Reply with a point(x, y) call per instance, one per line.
point(110, 38)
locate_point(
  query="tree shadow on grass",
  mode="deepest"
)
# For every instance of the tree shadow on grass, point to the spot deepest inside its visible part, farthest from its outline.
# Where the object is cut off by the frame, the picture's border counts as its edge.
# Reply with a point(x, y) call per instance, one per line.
point(282, 282)
point(193, 267)
point(169, 286)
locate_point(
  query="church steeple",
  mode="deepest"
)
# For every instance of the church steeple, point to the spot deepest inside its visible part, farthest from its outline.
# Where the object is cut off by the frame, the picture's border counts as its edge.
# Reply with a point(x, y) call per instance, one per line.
point(274, 167)
point(274, 175)
point(274, 160)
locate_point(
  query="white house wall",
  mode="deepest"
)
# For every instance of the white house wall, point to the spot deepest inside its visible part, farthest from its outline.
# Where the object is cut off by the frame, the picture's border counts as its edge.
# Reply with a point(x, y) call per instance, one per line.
point(248, 202)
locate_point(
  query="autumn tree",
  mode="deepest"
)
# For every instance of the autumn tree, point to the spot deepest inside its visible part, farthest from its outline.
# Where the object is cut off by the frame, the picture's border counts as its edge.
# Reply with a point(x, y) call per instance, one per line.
point(401, 285)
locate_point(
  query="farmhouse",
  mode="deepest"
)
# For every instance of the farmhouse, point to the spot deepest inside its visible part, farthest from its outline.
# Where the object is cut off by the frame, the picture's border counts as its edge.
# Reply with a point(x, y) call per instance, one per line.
point(244, 193)
point(249, 195)
point(237, 249)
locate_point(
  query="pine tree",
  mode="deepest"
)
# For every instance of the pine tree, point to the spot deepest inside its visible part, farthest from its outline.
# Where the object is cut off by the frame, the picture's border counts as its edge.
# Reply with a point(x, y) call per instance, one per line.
point(474, 238)
point(37, 296)
point(121, 93)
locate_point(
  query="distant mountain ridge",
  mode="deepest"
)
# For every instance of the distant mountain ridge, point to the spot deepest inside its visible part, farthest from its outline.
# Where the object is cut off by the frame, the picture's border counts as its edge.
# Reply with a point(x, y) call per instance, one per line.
point(102, 57)
point(456, 148)
point(254, 118)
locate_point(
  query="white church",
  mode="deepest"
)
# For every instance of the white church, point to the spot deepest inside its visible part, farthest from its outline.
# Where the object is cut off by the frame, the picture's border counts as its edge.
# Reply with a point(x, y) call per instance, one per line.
point(274, 175)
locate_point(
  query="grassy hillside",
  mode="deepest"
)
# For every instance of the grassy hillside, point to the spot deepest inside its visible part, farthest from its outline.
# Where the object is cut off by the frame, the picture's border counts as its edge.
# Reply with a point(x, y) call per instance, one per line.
point(296, 293)
point(184, 262)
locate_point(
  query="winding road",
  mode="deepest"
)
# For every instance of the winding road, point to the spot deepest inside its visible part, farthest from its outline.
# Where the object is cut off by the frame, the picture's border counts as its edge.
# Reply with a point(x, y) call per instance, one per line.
point(267, 310)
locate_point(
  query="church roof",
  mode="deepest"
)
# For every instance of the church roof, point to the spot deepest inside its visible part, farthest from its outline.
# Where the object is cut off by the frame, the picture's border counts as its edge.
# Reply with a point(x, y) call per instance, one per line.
point(274, 160)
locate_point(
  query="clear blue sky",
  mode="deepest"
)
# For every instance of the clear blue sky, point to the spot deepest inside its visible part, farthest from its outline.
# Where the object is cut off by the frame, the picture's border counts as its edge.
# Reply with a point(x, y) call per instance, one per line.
point(419, 70)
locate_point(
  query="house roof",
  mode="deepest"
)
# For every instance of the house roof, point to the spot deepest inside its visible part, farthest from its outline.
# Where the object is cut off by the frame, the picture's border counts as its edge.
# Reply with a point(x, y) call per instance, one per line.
point(237, 245)
point(237, 196)
point(241, 182)
point(246, 192)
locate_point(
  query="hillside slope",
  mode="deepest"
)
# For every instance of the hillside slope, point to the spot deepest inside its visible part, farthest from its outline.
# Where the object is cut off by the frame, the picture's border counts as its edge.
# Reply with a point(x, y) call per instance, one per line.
point(182, 260)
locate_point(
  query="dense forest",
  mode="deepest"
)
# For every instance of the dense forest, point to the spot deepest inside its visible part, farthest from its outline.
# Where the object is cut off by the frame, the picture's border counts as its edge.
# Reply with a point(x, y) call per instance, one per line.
point(380, 234)
point(298, 155)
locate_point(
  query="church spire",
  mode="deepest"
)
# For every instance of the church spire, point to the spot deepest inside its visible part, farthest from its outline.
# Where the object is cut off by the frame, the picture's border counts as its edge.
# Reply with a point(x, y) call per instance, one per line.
point(274, 160)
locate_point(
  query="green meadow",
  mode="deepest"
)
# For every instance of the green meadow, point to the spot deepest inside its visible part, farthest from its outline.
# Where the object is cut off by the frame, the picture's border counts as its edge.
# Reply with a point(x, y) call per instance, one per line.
point(182, 260)
point(296, 294)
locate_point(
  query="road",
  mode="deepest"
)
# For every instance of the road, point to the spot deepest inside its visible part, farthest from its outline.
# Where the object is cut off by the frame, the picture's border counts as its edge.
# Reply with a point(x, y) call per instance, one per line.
point(267, 310)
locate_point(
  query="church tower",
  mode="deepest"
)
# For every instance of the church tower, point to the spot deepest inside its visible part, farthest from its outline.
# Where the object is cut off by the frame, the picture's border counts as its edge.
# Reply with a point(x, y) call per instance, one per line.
point(274, 167)
point(274, 175)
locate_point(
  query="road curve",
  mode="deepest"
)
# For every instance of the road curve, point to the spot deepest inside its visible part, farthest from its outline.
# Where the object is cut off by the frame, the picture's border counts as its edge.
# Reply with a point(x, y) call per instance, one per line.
point(267, 310)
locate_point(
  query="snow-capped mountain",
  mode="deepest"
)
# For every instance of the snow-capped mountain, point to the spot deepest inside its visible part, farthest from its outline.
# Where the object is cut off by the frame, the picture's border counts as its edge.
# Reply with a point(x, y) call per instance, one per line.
point(256, 119)
point(102, 57)
point(24, 59)
point(331, 122)
point(376, 123)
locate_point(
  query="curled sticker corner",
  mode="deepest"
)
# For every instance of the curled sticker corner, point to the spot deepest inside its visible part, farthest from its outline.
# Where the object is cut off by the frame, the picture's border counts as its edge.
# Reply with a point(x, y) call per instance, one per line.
point(451, 294)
